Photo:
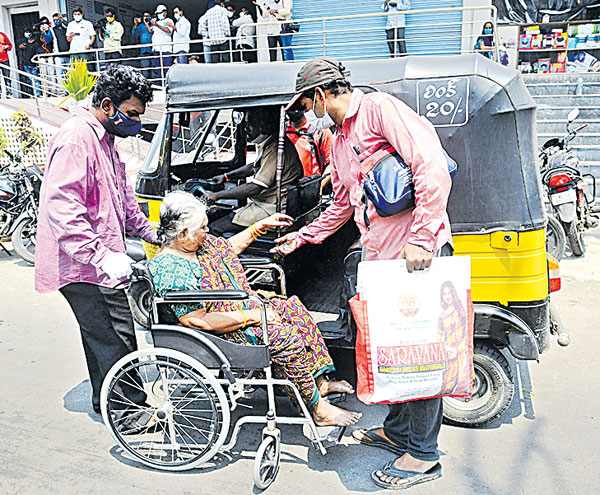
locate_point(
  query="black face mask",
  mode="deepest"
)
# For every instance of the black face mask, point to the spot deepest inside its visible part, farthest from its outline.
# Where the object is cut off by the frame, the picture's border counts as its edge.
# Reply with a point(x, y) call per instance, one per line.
point(295, 116)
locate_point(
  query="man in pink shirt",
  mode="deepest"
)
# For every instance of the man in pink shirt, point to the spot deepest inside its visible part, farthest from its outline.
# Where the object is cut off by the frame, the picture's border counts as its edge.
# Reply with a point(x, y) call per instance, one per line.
point(86, 210)
point(366, 123)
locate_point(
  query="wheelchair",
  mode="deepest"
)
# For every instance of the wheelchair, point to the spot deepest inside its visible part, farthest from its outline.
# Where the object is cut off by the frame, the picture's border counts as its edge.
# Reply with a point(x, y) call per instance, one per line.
point(193, 381)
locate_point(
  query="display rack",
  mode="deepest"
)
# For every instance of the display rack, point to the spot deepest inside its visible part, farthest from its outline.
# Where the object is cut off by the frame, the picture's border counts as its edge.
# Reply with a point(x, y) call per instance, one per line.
point(559, 47)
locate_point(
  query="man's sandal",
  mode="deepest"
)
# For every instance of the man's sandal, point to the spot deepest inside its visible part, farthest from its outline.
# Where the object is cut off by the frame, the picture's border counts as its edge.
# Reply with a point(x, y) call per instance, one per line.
point(375, 440)
point(412, 477)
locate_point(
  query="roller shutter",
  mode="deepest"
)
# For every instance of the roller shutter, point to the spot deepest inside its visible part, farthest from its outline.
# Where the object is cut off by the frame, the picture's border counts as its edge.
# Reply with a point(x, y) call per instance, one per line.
point(365, 38)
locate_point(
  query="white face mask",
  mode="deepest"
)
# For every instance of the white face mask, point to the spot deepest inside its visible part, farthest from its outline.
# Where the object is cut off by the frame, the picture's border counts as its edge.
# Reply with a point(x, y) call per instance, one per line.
point(163, 15)
point(77, 17)
point(317, 123)
point(229, 13)
point(177, 16)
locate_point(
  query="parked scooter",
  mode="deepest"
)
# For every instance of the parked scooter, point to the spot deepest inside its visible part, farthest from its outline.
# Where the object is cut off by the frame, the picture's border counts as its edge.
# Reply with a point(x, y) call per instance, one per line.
point(566, 186)
point(19, 199)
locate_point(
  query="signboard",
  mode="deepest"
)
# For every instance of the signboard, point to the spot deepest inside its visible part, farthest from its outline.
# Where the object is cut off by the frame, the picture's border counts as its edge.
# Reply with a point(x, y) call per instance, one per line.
point(444, 101)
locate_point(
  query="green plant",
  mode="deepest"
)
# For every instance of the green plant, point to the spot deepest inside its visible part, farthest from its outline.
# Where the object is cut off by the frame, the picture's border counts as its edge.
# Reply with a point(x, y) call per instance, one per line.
point(78, 81)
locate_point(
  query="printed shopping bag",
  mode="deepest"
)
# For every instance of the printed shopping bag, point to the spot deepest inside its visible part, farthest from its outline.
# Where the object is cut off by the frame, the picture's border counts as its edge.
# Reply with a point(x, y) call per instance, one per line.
point(414, 330)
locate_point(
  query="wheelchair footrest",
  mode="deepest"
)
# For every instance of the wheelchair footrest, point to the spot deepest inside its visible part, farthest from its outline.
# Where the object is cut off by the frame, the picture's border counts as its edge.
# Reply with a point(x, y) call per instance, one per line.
point(329, 436)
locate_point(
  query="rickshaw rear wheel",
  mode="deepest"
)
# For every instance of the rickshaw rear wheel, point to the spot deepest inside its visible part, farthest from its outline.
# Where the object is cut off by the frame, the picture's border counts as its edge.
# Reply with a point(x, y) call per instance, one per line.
point(266, 462)
point(185, 418)
point(493, 391)
point(556, 239)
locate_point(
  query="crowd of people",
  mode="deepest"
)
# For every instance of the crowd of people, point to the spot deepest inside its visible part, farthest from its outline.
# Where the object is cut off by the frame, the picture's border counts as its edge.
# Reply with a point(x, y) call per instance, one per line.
point(227, 35)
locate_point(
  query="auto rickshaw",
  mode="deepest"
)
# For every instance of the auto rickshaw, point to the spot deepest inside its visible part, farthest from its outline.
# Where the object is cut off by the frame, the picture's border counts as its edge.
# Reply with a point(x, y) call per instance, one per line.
point(485, 118)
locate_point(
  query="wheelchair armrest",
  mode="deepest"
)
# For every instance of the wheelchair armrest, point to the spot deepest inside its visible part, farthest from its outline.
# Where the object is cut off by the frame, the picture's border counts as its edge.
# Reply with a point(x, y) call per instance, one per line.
point(204, 295)
point(248, 261)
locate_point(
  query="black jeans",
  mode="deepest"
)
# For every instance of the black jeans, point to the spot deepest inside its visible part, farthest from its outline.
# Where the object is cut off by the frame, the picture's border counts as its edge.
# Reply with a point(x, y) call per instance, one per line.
point(107, 332)
point(396, 36)
point(273, 42)
point(415, 425)
point(220, 53)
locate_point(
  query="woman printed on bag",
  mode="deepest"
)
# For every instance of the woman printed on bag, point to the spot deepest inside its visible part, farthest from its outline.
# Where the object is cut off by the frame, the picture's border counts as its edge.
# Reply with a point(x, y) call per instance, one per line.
point(452, 329)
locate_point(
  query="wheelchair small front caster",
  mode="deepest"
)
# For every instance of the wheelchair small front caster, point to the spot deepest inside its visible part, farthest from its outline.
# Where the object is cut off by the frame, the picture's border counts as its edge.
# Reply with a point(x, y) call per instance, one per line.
point(266, 462)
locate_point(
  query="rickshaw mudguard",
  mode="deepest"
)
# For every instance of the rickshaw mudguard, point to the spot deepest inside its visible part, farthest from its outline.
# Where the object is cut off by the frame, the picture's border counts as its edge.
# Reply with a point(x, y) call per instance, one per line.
point(503, 326)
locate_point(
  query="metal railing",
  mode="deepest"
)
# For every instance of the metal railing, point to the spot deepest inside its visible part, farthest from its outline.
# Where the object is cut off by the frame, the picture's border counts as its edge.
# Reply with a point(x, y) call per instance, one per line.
point(319, 35)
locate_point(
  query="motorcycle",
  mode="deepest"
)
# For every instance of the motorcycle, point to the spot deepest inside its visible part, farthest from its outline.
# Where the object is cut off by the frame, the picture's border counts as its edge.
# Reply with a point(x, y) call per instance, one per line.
point(19, 198)
point(566, 188)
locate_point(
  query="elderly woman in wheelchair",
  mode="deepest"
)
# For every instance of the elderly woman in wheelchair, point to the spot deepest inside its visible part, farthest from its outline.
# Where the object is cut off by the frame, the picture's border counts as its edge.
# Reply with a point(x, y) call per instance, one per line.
point(190, 259)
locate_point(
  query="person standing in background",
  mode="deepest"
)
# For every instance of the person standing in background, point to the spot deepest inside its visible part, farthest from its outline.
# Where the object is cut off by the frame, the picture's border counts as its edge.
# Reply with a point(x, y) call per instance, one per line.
point(162, 30)
point(246, 36)
point(266, 14)
point(283, 12)
point(215, 24)
point(61, 46)
point(141, 33)
point(29, 49)
point(111, 36)
point(80, 35)
point(5, 47)
point(46, 48)
point(181, 35)
point(395, 27)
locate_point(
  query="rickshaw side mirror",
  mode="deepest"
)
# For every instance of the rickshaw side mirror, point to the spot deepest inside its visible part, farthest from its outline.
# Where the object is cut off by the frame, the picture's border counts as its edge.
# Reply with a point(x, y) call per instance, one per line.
point(573, 114)
point(237, 117)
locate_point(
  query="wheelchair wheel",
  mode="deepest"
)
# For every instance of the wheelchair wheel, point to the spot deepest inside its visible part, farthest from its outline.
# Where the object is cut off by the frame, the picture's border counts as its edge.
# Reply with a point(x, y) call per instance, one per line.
point(266, 462)
point(184, 419)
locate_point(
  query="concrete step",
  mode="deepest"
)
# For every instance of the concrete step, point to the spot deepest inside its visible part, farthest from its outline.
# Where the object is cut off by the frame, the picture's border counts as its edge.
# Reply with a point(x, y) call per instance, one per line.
point(588, 77)
point(572, 101)
point(558, 127)
point(562, 89)
point(560, 112)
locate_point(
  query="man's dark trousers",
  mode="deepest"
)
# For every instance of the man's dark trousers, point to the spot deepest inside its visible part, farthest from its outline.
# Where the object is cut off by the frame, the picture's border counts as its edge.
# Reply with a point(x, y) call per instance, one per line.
point(107, 332)
point(415, 425)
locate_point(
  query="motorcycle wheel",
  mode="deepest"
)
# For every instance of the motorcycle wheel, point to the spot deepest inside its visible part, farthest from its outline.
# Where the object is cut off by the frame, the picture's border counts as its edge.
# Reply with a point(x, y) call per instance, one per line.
point(556, 239)
point(24, 239)
point(575, 238)
point(493, 391)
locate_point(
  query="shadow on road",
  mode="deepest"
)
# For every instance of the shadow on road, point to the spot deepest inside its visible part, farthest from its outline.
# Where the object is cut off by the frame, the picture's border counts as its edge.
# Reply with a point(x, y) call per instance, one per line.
point(78, 400)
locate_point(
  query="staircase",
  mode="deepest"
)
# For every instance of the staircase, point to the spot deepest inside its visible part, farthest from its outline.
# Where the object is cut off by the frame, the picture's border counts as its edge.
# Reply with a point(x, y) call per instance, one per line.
point(556, 95)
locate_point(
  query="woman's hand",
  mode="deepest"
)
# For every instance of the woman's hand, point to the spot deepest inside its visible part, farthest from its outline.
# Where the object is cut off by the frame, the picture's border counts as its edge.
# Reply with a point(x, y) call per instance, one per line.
point(275, 220)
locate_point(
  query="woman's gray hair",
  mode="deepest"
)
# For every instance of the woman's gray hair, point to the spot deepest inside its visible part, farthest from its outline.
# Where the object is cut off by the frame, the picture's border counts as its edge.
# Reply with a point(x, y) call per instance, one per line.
point(179, 211)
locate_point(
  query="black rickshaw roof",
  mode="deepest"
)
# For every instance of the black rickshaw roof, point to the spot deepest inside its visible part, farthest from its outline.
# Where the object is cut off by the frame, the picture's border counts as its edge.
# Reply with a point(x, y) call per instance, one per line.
point(487, 124)
point(213, 86)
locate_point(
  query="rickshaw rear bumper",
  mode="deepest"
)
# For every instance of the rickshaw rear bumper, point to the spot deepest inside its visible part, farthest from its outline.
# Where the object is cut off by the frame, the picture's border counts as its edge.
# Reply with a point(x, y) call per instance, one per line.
point(523, 328)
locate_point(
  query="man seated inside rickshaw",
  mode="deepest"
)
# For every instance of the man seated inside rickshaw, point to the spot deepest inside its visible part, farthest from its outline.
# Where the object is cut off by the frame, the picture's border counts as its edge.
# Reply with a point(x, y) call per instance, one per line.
point(190, 259)
point(262, 129)
point(313, 144)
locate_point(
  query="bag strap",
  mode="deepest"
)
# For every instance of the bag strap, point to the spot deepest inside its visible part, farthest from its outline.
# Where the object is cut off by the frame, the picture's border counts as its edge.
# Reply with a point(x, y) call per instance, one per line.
point(371, 161)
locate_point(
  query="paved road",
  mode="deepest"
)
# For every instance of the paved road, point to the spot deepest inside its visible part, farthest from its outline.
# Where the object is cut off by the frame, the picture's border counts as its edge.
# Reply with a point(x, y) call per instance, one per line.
point(51, 442)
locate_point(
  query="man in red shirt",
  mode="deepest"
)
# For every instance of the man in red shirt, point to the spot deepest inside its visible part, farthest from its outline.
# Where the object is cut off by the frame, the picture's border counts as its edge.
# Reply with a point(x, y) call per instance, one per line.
point(313, 146)
point(5, 47)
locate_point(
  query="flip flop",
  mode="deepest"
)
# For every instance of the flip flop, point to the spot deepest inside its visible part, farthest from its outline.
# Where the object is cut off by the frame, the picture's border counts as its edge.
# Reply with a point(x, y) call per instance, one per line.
point(375, 440)
point(413, 477)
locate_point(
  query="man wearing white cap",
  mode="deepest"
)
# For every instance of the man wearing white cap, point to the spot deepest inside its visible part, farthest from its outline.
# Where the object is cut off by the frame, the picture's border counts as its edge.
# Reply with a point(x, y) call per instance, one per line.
point(162, 30)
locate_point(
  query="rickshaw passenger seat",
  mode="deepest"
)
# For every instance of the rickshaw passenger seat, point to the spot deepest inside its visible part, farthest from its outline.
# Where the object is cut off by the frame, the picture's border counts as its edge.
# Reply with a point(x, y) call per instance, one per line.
point(303, 196)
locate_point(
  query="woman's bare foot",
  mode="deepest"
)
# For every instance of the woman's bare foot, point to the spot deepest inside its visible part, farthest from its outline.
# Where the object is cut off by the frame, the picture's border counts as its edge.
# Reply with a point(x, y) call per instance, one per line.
point(406, 462)
point(326, 414)
point(330, 387)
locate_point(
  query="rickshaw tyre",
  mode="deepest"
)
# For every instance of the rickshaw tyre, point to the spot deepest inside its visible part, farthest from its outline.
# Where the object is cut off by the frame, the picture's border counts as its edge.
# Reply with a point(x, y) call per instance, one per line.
point(493, 371)
point(17, 240)
point(267, 461)
point(137, 295)
point(561, 238)
point(575, 238)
